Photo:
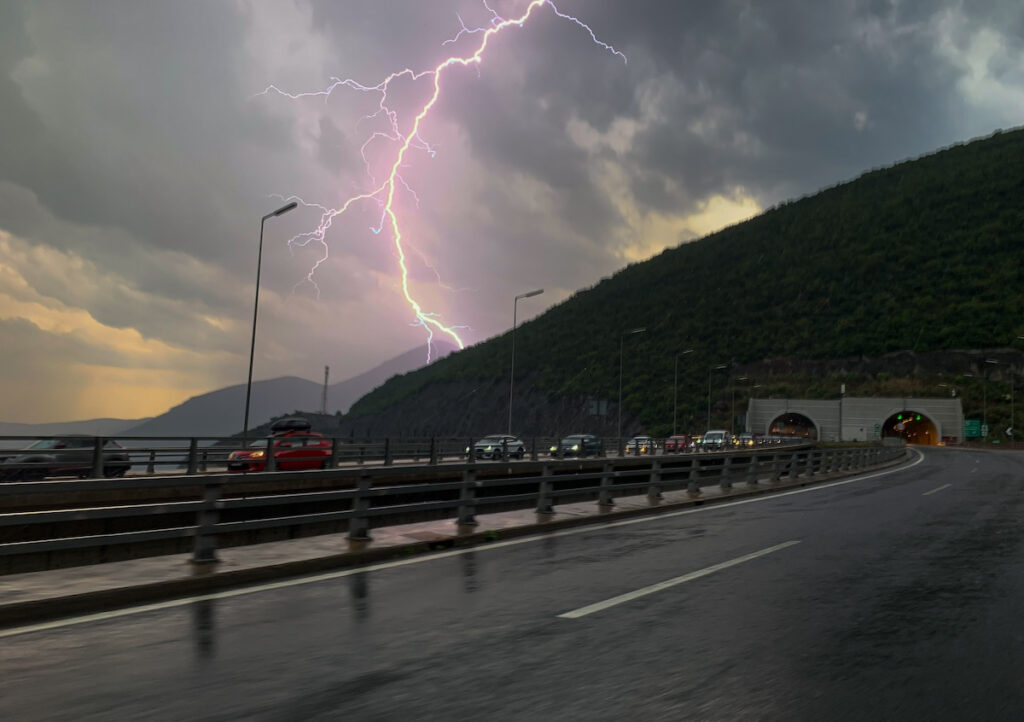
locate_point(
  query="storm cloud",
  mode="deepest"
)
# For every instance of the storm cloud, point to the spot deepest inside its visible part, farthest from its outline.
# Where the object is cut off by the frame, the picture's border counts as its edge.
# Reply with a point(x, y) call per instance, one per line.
point(138, 153)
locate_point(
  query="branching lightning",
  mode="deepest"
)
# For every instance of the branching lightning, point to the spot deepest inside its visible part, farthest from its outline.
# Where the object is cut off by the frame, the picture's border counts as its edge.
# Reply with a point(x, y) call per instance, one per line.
point(383, 192)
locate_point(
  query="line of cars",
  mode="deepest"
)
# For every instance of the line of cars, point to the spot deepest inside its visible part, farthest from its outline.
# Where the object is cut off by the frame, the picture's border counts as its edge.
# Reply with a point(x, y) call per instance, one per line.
point(296, 447)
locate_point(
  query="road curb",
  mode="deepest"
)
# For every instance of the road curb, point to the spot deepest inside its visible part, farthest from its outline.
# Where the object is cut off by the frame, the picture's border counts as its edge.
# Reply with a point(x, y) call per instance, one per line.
point(199, 582)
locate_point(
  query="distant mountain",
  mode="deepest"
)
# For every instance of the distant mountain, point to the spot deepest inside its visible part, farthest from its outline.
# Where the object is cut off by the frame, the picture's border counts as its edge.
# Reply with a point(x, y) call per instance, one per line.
point(220, 413)
point(342, 395)
point(92, 427)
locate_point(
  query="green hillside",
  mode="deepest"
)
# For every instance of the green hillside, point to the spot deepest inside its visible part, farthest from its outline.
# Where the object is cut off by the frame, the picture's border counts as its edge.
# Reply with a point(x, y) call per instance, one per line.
point(925, 255)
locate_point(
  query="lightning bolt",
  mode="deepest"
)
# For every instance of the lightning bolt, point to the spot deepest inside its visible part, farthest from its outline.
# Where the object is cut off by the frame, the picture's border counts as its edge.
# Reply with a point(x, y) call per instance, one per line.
point(383, 192)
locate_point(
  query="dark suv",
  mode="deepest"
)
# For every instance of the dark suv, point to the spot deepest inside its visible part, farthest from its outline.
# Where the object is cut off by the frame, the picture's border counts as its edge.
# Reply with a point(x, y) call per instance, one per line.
point(63, 456)
point(579, 445)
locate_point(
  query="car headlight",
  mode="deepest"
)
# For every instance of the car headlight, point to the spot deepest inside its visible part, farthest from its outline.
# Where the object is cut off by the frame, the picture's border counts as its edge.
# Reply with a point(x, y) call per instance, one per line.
point(488, 448)
point(553, 449)
point(467, 449)
point(258, 454)
point(575, 447)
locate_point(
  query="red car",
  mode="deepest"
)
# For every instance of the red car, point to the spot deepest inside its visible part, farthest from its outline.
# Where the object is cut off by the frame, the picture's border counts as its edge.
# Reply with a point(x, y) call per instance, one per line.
point(293, 451)
point(676, 444)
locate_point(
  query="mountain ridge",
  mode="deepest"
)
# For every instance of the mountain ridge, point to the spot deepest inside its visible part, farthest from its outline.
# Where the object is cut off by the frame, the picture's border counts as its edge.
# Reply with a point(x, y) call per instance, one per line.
point(925, 255)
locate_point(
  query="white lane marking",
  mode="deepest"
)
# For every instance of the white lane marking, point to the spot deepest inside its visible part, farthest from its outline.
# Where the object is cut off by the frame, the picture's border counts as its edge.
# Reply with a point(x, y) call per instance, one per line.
point(327, 576)
point(944, 486)
point(644, 591)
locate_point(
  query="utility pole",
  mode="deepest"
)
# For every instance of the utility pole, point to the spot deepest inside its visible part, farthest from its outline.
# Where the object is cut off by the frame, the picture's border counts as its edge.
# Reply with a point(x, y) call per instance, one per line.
point(323, 400)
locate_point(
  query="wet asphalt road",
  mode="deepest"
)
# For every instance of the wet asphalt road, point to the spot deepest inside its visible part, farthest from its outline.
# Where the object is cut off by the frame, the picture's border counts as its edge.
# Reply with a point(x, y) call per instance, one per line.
point(900, 601)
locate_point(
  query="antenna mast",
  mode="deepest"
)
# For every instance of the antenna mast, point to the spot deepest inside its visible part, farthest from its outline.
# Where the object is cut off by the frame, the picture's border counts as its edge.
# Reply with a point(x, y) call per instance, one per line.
point(323, 400)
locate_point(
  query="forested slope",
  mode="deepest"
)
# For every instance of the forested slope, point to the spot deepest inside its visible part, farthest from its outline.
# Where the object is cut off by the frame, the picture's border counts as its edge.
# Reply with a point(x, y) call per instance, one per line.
point(925, 255)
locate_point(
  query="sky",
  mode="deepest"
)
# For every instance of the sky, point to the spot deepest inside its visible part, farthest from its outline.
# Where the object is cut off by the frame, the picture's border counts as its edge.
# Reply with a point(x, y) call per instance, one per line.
point(141, 143)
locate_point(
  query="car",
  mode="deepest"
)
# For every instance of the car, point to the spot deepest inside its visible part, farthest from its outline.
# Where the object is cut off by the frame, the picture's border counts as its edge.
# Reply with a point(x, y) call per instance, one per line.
point(290, 423)
point(715, 440)
point(641, 445)
point(495, 445)
point(64, 456)
point(579, 445)
point(293, 451)
point(744, 440)
point(677, 444)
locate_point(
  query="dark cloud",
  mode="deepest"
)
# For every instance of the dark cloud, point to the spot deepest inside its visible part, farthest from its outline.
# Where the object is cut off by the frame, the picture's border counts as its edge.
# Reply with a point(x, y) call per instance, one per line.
point(133, 139)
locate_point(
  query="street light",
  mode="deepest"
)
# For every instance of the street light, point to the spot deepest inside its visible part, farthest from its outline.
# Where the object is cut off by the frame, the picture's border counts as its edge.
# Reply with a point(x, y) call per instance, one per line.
point(622, 341)
point(719, 367)
point(255, 310)
point(984, 397)
point(675, 389)
point(512, 373)
point(732, 422)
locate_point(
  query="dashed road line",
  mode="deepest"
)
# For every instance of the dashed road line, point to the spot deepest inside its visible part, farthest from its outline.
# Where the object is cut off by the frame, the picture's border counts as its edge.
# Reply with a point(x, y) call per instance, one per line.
point(668, 583)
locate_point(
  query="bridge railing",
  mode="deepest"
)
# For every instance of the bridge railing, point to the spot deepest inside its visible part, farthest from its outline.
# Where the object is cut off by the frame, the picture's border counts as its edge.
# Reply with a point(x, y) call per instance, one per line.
point(34, 458)
point(221, 510)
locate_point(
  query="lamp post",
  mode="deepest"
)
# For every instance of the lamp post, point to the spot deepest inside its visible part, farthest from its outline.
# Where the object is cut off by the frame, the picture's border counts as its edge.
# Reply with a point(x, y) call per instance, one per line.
point(984, 397)
point(622, 341)
point(732, 422)
point(675, 388)
point(255, 311)
point(512, 373)
point(1013, 418)
point(719, 367)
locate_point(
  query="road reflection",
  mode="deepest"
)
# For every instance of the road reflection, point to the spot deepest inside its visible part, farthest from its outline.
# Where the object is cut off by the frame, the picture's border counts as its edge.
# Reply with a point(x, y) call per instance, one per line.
point(470, 581)
point(204, 631)
point(359, 590)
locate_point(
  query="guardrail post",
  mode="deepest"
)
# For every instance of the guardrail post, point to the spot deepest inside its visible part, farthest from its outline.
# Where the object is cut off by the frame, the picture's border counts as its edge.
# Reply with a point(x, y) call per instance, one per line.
point(335, 449)
point(504, 449)
point(752, 467)
point(693, 481)
point(533, 449)
point(151, 466)
point(359, 524)
point(271, 456)
point(433, 451)
point(544, 490)
point(202, 462)
point(97, 458)
point(362, 454)
point(467, 499)
point(776, 467)
point(604, 495)
point(204, 547)
point(387, 451)
point(193, 447)
point(726, 482)
point(654, 494)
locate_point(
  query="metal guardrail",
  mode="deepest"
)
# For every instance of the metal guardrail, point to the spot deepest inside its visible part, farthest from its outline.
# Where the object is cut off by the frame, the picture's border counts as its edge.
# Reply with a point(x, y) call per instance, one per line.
point(214, 516)
point(106, 457)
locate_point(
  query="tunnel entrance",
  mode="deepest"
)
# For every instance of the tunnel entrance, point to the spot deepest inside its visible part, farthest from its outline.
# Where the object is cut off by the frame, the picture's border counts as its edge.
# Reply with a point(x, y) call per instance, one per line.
point(911, 426)
point(793, 424)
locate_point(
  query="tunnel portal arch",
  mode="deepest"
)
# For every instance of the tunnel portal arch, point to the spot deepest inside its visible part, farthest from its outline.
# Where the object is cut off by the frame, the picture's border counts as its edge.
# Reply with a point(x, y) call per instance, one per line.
point(912, 426)
point(794, 424)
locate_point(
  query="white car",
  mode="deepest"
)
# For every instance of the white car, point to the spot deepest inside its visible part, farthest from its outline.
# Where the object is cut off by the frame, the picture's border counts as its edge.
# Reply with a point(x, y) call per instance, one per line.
point(493, 446)
point(715, 440)
point(641, 445)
